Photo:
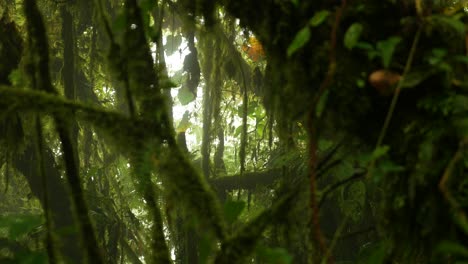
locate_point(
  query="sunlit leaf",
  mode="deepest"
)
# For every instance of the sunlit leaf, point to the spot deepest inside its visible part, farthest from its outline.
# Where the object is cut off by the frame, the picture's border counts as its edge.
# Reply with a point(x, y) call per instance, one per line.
point(238, 131)
point(301, 38)
point(172, 44)
point(352, 35)
point(184, 124)
point(185, 96)
point(166, 83)
point(319, 18)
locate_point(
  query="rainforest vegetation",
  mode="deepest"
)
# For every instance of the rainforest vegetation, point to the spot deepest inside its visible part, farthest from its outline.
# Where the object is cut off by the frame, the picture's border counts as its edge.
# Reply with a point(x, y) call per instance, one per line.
point(233, 131)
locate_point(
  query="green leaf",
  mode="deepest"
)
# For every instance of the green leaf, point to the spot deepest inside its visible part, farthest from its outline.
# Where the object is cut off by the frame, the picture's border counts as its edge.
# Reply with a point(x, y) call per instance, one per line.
point(374, 253)
point(301, 38)
point(30, 257)
point(449, 22)
point(237, 131)
point(414, 78)
point(18, 225)
point(386, 49)
point(232, 210)
point(318, 18)
point(172, 44)
point(364, 45)
point(449, 247)
point(274, 255)
point(185, 95)
point(184, 124)
point(388, 166)
point(206, 247)
point(321, 104)
point(380, 152)
point(352, 36)
point(147, 5)
point(371, 52)
point(439, 53)
point(461, 58)
point(166, 83)
point(120, 22)
point(17, 78)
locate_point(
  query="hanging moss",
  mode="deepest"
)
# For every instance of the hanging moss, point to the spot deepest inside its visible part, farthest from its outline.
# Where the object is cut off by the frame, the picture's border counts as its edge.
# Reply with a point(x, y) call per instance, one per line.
point(38, 46)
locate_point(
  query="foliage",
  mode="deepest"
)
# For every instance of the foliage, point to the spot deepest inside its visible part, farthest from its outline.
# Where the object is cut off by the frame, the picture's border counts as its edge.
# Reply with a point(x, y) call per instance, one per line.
point(233, 132)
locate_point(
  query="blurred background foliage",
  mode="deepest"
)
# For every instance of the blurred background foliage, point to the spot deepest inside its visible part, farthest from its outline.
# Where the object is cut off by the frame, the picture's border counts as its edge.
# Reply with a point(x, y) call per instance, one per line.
point(233, 131)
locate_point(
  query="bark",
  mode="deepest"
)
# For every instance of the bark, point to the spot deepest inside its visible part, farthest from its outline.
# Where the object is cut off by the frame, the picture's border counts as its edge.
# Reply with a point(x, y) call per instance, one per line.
point(59, 204)
point(246, 181)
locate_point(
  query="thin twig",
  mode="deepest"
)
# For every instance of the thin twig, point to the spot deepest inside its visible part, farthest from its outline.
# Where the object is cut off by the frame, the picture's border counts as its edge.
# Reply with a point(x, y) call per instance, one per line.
point(312, 129)
point(392, 107)
point(462, 219)
point(333, 187)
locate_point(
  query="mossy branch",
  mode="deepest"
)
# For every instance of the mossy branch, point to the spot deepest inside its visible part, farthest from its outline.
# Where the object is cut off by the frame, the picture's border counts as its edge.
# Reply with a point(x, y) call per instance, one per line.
point(237, 248)
point(39, 148)
point(122, 130)
point(40, 63)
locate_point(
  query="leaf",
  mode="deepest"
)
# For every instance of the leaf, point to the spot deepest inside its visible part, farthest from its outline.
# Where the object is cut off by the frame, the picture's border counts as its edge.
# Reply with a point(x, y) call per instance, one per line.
point(17, 78)
point(147, 5)
point(172, 44)
point(232, 210)
point(301, 38)
point(386, 49)
point(166, 83)
point(352, 36)
point(387, 166)
point(321, 104)
point(206, 247)
point(120, 22)
point(364, 45)
point(237, 131)
point(449, 22)
point(461, 58)
point(380, 152)
point(375, 254)
point(449, 247)
point(185, 95)
point(18, 225)
point(414, 78)
point(184, 124)
point(29, 257)
point(318, 18)
point(371, 52)
point(274, 255)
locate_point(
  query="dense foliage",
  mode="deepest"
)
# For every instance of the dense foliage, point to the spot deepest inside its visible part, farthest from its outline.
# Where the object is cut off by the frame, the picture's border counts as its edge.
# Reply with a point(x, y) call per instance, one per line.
point(286, 131)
